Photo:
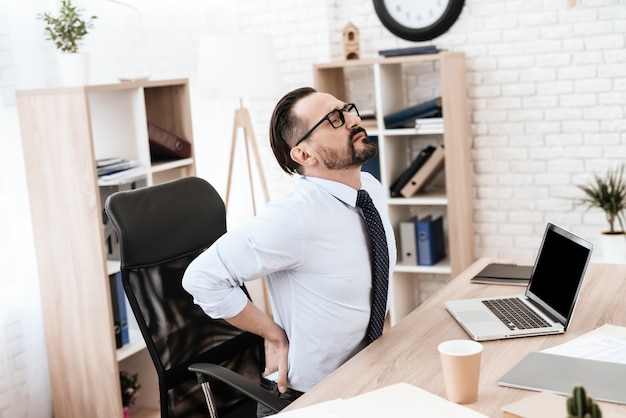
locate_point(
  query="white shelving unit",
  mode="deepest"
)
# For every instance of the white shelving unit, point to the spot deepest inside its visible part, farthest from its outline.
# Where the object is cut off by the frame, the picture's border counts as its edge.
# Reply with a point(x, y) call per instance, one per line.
point(64, 131)
point(396, 83)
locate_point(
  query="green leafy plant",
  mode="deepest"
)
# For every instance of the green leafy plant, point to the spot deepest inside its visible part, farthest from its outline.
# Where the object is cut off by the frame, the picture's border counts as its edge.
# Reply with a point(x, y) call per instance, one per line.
point(130, 387)
point(609, 194)
point(579, 405)
point(68, 28)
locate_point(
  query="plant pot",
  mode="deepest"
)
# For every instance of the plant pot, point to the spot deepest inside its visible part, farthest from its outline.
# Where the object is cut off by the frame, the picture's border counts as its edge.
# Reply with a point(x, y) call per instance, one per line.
point(613, 247)
point(74, 69)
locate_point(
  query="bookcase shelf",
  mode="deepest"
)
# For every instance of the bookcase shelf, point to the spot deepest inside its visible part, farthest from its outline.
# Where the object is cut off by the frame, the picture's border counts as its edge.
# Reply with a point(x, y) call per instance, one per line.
point(136, 345)
point(64, 131)
point(388, 85)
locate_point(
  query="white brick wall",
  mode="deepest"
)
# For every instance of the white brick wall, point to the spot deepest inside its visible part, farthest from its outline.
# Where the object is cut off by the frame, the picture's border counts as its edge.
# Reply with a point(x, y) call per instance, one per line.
point(546, 85)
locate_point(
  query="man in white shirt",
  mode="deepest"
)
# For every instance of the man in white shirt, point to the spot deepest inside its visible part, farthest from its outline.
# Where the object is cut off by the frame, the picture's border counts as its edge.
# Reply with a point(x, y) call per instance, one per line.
point(311, 245)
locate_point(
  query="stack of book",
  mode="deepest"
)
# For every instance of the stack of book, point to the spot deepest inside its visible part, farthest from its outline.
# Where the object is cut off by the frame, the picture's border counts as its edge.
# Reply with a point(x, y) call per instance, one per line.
point(422, 240)
point(407, 117)
point(429, 125)
point(109, 166)
point(419, 174)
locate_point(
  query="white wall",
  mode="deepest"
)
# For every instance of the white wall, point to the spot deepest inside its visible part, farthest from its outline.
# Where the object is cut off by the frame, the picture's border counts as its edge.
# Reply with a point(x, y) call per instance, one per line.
point(547, 90)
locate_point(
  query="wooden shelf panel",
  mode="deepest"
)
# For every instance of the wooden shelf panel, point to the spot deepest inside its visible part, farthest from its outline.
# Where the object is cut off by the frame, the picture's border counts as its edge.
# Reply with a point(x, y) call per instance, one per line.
point(64, 130)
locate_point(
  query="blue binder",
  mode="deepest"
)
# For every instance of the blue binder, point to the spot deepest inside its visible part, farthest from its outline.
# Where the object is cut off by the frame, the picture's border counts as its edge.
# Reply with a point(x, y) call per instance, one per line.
point(372, 166)
point(430, 241)
point(118, 302)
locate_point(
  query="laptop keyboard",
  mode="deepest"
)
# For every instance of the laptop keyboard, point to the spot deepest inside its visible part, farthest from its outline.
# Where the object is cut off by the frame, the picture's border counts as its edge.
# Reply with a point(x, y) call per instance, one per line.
point(515, 314)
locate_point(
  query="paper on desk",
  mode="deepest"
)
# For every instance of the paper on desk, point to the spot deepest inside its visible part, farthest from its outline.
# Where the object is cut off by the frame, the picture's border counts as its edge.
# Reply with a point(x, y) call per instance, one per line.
point(606, 343)
point(313, 411)
point(400, 400)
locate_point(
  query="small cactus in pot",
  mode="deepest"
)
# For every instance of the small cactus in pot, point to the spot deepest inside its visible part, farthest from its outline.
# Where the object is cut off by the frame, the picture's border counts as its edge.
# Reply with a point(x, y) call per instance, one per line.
point(579, 405)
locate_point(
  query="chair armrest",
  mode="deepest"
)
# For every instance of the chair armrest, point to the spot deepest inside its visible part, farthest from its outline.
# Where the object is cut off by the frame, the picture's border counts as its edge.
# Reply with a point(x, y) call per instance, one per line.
point(240, 383)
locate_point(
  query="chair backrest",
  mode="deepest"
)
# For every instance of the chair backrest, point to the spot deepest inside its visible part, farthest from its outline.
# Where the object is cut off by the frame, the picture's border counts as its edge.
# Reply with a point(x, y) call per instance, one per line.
point(161, 229)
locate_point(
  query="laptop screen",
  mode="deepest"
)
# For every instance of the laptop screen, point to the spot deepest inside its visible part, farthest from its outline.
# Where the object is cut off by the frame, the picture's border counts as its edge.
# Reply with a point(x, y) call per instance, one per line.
point(559, 272)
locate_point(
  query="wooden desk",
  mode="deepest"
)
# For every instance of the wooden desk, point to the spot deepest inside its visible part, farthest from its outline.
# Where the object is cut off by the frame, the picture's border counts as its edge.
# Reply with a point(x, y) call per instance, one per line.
point(408, 351)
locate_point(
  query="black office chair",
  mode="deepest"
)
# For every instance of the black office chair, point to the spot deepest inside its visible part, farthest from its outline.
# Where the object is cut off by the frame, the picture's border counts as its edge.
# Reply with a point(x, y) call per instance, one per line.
point(200, 362)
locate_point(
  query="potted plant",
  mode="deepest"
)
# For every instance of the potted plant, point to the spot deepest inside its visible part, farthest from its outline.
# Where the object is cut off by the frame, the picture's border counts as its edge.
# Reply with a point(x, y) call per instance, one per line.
point(579, 405)
point(67, 30)
point(609, 194)
point(130, 387)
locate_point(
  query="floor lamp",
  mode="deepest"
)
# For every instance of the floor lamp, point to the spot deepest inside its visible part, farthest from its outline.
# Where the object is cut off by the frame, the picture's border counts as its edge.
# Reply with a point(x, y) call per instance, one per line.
point(238, 66)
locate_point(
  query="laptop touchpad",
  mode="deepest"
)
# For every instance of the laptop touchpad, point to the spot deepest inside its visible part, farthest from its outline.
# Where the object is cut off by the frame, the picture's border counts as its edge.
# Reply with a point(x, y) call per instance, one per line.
point(476, 316)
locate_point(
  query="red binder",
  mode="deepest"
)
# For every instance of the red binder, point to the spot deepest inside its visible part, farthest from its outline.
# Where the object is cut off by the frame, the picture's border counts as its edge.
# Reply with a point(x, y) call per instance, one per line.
point(164, 144)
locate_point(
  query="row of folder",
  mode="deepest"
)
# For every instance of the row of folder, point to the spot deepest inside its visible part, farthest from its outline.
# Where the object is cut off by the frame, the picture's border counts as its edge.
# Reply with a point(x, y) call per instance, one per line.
point(422, 240)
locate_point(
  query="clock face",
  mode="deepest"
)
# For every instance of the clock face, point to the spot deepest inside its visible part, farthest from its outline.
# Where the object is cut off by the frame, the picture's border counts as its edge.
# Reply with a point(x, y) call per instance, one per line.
point(418, 20)
point(416, 14)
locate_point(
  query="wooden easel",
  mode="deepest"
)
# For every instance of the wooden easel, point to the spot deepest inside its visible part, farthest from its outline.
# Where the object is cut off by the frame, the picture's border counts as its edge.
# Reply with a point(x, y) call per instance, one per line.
point(242, 120)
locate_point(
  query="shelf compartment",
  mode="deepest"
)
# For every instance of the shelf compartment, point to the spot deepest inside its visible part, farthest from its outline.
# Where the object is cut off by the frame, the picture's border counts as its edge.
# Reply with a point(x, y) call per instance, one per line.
point(135, 345)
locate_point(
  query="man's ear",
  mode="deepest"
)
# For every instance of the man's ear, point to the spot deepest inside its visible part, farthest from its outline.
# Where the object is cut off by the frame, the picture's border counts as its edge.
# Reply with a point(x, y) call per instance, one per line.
point(301, 156)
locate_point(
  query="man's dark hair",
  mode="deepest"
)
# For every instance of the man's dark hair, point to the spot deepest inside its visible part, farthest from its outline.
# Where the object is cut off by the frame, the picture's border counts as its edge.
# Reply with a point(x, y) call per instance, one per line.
point(285, 129)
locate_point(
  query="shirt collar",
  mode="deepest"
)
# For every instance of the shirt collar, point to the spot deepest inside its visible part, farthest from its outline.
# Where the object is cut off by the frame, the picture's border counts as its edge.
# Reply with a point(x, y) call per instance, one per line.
point(341, 191)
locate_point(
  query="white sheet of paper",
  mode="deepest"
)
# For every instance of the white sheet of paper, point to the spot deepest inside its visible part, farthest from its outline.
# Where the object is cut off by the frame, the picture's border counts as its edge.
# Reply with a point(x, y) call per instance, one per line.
point(606, 343)
point(400, 400)
point(313, 411)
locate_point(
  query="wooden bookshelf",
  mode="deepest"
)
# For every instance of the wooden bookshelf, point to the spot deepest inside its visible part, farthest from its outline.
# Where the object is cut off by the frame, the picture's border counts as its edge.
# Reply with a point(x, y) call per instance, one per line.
point(390, 81)
point(64, 131)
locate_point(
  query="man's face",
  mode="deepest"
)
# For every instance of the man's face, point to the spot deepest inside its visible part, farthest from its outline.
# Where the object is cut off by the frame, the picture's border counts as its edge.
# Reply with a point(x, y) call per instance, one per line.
point(338, 148)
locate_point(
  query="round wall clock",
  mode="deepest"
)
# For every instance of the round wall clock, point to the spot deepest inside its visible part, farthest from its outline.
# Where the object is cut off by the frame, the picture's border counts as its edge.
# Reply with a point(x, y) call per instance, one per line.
point(418, 20)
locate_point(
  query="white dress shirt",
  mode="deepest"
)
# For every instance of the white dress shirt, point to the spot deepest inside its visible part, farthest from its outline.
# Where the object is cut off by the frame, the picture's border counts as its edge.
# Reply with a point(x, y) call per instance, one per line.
point(311, 245)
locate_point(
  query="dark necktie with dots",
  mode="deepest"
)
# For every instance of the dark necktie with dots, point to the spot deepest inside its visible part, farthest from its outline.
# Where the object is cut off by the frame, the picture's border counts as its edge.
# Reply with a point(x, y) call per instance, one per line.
point(379, 259)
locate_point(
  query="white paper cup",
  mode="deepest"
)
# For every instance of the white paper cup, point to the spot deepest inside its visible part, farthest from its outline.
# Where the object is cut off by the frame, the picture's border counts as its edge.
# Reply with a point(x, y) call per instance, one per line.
point(460, 361)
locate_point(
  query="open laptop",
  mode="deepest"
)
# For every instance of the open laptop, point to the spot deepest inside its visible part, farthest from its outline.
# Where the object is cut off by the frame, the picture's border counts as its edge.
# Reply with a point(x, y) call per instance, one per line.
point(551, 294)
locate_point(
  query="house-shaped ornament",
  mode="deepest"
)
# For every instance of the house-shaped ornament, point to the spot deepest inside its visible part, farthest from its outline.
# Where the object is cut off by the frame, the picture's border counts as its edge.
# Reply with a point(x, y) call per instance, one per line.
point(351, 50)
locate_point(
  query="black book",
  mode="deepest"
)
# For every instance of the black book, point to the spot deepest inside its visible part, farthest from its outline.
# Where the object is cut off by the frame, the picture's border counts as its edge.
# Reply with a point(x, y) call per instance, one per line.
point(417, 50)
point(507, 274)
point(407, 174)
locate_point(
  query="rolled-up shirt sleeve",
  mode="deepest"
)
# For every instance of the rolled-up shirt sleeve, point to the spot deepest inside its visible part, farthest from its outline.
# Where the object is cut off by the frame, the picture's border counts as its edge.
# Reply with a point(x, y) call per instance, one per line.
point(265, 245)
point(207, 280)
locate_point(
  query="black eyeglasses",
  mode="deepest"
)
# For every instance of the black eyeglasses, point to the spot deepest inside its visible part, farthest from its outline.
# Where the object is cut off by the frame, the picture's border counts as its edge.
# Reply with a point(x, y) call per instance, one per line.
point(336, 119)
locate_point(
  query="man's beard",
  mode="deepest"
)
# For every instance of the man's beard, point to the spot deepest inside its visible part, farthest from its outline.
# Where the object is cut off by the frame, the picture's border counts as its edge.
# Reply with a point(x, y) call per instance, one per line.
point(350, 157)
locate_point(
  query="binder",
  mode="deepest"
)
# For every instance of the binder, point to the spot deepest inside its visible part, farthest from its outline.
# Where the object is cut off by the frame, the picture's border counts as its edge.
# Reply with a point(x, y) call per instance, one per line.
point(430, 241)
point(164, 144)
point(118, 304)
point(428, 108)
point(406, 175)
point(425, 174)
point(121, 307)
point(555, 373)
point(372, 165)
point(408, 242)
point(117, 329)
